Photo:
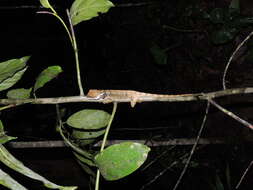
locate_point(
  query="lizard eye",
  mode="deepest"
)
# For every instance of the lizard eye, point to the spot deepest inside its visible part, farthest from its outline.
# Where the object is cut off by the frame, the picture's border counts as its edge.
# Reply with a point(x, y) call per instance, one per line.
point(102, 95)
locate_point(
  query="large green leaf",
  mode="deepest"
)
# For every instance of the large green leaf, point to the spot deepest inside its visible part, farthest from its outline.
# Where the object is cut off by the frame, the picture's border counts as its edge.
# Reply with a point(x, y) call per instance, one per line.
point(9, 82)
point(13, 163)
point(3, 137)
point(47, 75)
point(82, 10)
point(20, 93)
point(12, 66)
point(120, 160)
point(89, 119)
point(9, 182)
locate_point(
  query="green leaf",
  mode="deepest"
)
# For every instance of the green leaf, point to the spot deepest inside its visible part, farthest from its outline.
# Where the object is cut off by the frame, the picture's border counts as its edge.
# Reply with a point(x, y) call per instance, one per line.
point(77, 134)
point(82, 10)
point(9, 182)
point(3, 137)
point(89, 119)
point(11, 71)
point(20, 93)
point(1, 127)
point(84, 142)
point(47, 75)
point(120, 160)
point(9, 82)
point(11, 67)
point(159, 55)
point(83, 138)
point(13, 163)
point(45, 3)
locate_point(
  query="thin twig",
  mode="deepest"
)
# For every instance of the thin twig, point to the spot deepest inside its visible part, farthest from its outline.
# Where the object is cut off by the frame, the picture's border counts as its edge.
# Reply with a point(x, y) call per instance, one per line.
point(21, 7)
point(104, 141)
point(165, 170)
point(121, 5)
point(244, 174)
point(237, 118)
point(78, 74)
point(231, 58)
point(157, 158)
point(193, 148)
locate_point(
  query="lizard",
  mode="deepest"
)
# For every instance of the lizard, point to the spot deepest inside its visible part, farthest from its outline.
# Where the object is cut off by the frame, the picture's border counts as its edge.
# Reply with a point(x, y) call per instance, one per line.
point(135, 96)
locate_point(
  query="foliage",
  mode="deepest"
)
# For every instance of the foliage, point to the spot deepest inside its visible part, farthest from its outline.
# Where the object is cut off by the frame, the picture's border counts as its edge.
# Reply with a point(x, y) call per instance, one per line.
point(226, 22)
point(84, 127)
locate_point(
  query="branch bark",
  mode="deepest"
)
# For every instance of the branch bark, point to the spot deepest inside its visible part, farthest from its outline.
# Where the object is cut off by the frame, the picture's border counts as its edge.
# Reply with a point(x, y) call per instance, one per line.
point(101, 99)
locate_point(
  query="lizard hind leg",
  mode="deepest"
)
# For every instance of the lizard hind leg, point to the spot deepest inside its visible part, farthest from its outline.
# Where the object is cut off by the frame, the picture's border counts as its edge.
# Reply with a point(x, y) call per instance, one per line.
point(133, 102)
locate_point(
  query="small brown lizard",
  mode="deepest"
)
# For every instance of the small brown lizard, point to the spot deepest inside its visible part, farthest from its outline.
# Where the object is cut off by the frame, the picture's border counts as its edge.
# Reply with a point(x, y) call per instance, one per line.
point(134, 96)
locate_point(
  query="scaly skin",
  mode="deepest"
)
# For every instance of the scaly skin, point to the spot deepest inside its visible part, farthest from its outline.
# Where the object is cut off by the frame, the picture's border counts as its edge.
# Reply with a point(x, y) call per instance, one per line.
point(128, 95)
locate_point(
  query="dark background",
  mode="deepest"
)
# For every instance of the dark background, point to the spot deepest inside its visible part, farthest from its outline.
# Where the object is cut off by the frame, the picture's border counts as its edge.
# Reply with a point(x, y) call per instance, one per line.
point(114, 51)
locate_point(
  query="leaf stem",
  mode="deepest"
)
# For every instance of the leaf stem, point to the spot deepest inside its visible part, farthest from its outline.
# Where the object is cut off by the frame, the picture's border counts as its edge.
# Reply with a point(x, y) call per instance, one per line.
point(104, 141)
point(74, 44)
point(71, 34)
point(62, 22)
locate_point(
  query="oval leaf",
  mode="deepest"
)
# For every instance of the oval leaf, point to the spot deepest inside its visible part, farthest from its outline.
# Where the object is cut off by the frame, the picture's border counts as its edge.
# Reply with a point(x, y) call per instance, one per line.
point(82, 10)
point(47, 75)
point(120, 160)
point(89, 119)
point(45, 3)
point(19, 93)
point(9, 68)
point(9, 82)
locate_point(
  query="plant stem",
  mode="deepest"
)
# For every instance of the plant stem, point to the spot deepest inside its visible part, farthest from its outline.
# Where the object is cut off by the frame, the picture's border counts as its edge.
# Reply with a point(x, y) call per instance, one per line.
point(60, 19)
point(74, 44)
point(8, 106)
point(104, 141)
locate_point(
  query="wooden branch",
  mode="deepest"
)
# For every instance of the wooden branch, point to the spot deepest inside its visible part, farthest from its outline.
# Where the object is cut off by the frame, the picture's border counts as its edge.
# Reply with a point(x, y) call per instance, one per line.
point(60, 144)
point(122, 97)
